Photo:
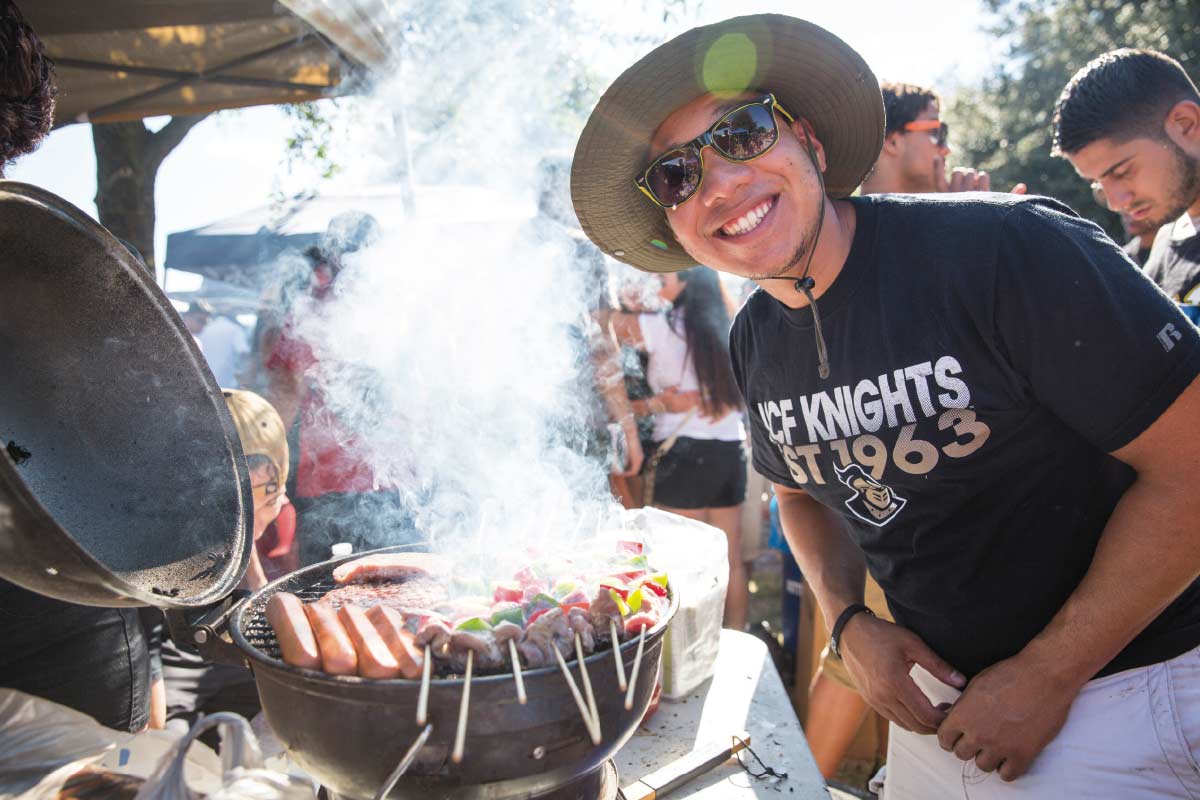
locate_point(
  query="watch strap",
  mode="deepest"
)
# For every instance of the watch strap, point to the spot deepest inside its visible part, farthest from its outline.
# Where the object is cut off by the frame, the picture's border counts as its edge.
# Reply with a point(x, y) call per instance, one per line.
point(835, 637)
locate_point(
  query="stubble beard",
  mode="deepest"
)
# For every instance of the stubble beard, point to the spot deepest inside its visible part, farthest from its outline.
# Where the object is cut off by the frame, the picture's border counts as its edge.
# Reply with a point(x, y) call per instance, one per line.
point(798, 256)
point(1184, 193)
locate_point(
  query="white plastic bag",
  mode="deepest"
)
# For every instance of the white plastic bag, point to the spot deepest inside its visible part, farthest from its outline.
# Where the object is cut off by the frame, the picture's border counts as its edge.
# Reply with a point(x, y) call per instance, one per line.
point(44, 745)
point(242, 774)
point(695, 557)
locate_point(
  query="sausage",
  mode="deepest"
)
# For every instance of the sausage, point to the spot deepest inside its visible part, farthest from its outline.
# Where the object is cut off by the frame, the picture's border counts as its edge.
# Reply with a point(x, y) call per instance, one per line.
point(297, 644)
point(337, 651)
point(375, 660)
point(399, 639)
point(390, 566)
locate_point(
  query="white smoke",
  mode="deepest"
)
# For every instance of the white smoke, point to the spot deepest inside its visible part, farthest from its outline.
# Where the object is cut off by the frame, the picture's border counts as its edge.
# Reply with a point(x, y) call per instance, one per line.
point(453, 346)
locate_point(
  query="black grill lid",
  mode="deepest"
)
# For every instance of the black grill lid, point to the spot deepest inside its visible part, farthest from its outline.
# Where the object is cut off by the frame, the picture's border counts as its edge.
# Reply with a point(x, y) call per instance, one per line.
point(124, 483)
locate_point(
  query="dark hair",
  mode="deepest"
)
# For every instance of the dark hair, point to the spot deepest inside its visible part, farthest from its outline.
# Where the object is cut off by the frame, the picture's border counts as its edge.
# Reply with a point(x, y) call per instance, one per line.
point(1121, 95)
point(902, 102)
point(704, 310)
point(27, 89)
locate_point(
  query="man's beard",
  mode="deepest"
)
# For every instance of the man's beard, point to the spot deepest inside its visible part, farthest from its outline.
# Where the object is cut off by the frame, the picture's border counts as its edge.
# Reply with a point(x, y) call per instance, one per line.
point(1185, 191)
point(807, 242)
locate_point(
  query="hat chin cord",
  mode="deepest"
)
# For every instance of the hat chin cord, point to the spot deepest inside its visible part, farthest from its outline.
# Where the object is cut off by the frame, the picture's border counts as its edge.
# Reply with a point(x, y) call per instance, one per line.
point(805, 284)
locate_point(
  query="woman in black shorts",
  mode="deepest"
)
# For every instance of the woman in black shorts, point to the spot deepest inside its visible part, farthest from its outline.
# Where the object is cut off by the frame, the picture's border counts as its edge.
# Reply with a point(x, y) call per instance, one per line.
point(698, 430)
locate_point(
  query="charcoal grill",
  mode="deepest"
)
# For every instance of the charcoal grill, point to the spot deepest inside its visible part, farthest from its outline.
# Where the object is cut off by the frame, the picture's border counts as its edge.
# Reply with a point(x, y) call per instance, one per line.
point(349, 732)
point(130, 487)
point(135, 492)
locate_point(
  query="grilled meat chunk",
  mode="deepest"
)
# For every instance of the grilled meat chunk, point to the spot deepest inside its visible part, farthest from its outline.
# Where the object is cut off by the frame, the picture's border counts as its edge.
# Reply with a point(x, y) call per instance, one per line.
point(390, 566)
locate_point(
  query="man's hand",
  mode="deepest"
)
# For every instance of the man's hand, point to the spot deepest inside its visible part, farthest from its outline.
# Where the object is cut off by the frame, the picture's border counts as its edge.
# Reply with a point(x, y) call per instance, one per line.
point(879, 656)
point(962, 179)
point(1007, 714)
point(965, 179)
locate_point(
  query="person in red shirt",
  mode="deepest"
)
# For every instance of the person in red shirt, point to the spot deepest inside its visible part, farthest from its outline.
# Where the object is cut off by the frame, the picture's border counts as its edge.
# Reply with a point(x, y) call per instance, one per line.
point(338, 496)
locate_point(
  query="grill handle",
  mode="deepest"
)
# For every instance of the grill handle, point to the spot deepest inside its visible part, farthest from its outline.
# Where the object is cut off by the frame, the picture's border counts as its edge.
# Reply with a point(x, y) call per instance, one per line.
point(206, 630)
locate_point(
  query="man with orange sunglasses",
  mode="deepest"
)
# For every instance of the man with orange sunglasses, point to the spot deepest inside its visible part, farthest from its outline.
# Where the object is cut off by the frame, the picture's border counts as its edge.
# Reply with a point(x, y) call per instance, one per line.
point(915, 146)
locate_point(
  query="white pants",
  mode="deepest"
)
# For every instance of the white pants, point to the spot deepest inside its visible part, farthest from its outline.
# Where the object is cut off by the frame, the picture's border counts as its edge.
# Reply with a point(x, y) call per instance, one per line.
point(1132, 735)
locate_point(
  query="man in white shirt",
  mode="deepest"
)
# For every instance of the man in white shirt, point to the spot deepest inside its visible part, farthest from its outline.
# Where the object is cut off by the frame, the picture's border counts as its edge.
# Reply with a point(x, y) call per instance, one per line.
point(1129, 122)
point(224, 344)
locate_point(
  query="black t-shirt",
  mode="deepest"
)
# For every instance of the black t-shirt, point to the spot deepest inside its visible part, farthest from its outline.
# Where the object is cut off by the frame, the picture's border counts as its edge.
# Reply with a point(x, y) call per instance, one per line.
point(1174, 261)
point(90, 659)
point(986, 353)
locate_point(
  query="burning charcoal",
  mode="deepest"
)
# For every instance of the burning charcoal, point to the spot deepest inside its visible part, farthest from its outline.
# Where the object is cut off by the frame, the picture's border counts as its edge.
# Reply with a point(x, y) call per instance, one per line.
point(18, 454)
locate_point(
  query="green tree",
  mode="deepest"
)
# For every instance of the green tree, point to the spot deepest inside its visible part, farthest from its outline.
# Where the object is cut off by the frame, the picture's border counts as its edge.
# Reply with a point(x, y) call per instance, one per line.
point(1003, 125)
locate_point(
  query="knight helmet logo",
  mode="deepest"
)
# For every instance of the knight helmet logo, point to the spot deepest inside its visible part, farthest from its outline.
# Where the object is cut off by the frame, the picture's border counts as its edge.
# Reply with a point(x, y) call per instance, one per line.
point(872, 501)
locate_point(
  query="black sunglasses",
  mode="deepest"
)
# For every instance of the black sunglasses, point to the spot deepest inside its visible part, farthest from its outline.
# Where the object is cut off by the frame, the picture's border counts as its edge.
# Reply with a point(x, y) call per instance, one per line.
point(744, 134)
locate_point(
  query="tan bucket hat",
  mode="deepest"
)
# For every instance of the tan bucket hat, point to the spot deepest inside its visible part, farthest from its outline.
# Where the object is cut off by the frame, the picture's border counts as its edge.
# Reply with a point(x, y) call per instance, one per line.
point(814, 75)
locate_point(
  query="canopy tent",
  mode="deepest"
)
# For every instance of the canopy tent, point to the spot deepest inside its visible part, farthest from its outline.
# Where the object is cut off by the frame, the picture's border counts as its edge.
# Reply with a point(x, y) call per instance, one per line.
point(122, 60)
point(242, 250)
point(224, 299)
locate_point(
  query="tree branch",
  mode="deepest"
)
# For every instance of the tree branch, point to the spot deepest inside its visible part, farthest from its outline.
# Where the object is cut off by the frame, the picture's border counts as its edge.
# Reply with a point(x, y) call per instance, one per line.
point(168, 138)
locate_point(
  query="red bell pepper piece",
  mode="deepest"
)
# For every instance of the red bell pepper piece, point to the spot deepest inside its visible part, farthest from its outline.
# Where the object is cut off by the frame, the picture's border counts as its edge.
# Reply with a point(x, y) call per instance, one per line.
point(534, 616)
point(617, 586)
point(510, 592)
point(651, 586)
point(641, 620)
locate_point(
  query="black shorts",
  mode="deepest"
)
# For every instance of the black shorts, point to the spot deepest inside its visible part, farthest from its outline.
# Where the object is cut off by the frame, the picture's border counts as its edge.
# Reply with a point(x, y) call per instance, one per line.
point(701, 473)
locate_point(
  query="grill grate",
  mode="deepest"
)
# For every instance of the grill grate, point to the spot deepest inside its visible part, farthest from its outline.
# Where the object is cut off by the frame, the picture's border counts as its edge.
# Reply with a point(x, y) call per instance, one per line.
point(261, 636)
point(258, 631)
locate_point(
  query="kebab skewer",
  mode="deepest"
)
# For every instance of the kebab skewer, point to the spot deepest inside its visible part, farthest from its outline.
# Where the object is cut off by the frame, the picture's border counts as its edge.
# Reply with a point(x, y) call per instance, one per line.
point(516, 667)
point(592, 725)
point(460, 734)
point(587, 689)
point(529, 622)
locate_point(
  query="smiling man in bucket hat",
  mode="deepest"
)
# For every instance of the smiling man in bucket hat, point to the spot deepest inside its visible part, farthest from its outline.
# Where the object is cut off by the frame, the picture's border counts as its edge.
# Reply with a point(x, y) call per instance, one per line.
point(1023, 398)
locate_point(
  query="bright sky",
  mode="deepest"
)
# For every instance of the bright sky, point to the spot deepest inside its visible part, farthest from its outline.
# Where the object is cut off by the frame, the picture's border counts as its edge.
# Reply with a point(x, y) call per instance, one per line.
point(230, 162)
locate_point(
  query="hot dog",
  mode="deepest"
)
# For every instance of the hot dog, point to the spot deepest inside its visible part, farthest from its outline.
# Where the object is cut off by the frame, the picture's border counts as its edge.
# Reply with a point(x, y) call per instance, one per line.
point(337, 651)
point(297, 644)
point(390, 566)
point(375, 660)
point(399, 640)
